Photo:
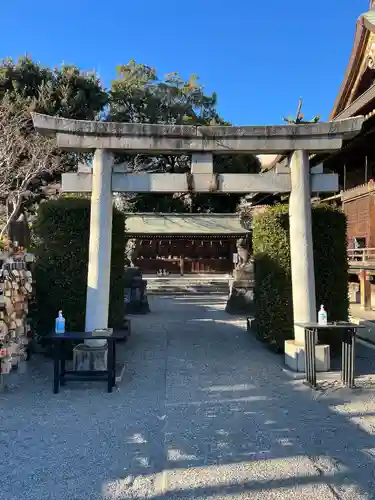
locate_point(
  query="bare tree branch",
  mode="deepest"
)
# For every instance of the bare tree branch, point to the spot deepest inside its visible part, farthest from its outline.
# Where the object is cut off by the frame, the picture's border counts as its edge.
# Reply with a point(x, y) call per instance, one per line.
point(24, 156)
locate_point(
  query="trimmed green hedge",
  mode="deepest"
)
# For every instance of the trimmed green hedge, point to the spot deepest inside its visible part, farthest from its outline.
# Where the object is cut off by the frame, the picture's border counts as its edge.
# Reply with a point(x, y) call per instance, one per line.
point(273, 284)
point(62, 234)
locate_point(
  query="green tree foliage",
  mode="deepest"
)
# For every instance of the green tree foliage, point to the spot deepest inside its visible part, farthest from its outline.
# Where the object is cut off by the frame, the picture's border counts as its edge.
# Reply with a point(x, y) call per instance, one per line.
point(64, 91)
point(62, 246)
point(273, 284)
point(27, 86)
point(138, 95)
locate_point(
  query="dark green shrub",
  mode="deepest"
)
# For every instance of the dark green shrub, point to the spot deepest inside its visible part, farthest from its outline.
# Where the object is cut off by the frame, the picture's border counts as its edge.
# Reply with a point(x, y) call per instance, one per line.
point(62, 232)
point(273, 284)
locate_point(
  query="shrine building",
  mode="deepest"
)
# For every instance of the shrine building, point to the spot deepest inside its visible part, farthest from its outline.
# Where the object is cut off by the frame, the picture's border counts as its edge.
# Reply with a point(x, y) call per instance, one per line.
point(202, 243)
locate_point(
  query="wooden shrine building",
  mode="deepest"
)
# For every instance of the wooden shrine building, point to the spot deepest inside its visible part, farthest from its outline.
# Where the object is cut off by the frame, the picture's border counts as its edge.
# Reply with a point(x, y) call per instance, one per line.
point(355, 162)
point(195, 243)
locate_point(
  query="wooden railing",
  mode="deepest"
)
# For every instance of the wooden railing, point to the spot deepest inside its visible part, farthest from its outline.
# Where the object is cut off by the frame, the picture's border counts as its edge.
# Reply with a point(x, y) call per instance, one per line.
point(361, 254)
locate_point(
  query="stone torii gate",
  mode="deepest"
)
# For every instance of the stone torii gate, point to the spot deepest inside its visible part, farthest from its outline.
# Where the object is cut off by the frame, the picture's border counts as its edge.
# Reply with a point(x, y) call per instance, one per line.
point(104, 138)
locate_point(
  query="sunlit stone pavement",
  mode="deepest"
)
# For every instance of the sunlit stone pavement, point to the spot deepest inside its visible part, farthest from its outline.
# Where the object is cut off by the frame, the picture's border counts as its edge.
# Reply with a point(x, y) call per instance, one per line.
point(204, 411)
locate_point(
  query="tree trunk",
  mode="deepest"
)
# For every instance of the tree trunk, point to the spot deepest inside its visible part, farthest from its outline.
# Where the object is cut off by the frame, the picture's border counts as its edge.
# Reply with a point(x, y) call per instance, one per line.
point(14, 210)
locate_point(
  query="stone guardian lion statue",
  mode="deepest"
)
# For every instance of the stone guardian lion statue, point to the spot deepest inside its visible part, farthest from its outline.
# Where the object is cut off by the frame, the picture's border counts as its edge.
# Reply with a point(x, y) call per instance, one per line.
point(131, 251)
point(243, 252)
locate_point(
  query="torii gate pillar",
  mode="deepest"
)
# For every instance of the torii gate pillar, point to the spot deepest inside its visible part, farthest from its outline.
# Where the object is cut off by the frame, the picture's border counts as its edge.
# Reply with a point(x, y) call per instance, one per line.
point(301, 244)
point(302, 265)
point(100, 245)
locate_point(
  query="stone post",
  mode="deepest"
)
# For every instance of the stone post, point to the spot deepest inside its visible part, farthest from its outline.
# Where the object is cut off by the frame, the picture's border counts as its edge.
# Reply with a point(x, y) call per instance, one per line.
point(100, 245)
point(365, 290)
point(302, 263)
point(301, 245)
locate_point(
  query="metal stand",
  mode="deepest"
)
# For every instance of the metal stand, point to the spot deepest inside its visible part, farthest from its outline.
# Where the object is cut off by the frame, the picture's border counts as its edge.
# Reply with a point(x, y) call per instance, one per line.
point(310, 365)
point(348, 357)
point(348, 332)
point(61, 375)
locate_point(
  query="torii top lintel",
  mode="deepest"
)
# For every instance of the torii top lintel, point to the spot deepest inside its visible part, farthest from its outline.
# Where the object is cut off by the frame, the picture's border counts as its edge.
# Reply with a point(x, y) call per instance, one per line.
point(81, 135)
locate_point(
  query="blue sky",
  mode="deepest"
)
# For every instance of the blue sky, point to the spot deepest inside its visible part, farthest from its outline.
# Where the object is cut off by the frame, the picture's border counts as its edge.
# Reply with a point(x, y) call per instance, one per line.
point(259, 56)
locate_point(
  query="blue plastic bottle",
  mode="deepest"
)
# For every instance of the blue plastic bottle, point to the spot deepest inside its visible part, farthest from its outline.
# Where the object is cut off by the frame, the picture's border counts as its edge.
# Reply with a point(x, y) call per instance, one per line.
point(60, 323)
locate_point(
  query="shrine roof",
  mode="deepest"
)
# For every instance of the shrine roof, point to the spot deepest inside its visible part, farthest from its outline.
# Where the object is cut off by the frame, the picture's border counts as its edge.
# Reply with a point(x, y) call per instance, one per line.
point(161, 224)
point(344, 107)
point(369, 18)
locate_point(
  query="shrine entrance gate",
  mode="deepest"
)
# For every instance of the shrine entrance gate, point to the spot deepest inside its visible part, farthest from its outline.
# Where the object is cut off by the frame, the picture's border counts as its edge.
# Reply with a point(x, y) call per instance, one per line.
point(294, 177)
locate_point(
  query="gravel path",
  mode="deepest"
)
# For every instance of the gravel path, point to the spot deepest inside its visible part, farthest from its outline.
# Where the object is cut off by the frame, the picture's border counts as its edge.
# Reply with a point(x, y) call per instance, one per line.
point(203, 412)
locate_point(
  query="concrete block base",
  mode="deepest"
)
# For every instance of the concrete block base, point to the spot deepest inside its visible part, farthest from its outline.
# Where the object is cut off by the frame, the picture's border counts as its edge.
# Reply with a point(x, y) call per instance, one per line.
point(87, 358)
point(295, 356)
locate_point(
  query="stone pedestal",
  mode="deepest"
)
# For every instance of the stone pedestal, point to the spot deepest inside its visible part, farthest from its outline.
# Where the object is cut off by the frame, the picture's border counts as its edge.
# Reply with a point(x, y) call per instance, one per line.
point(135, 293)
point(88, 358)
point(295, 356)
point(241, 291)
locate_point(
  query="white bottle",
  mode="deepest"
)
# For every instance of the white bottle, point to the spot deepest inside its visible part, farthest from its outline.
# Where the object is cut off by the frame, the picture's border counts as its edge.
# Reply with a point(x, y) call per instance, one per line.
point(322, 316)
point(60, 323)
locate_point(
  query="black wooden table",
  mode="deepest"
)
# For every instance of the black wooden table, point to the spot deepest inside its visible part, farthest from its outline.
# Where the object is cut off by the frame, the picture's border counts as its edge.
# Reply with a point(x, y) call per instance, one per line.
point(61, 375)
point(348, 333)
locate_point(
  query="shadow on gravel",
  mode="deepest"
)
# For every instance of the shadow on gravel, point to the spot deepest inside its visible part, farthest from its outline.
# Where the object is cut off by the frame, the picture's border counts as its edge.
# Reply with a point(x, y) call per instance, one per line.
point(233, 427)
point(277, 437)
point(202, 400)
